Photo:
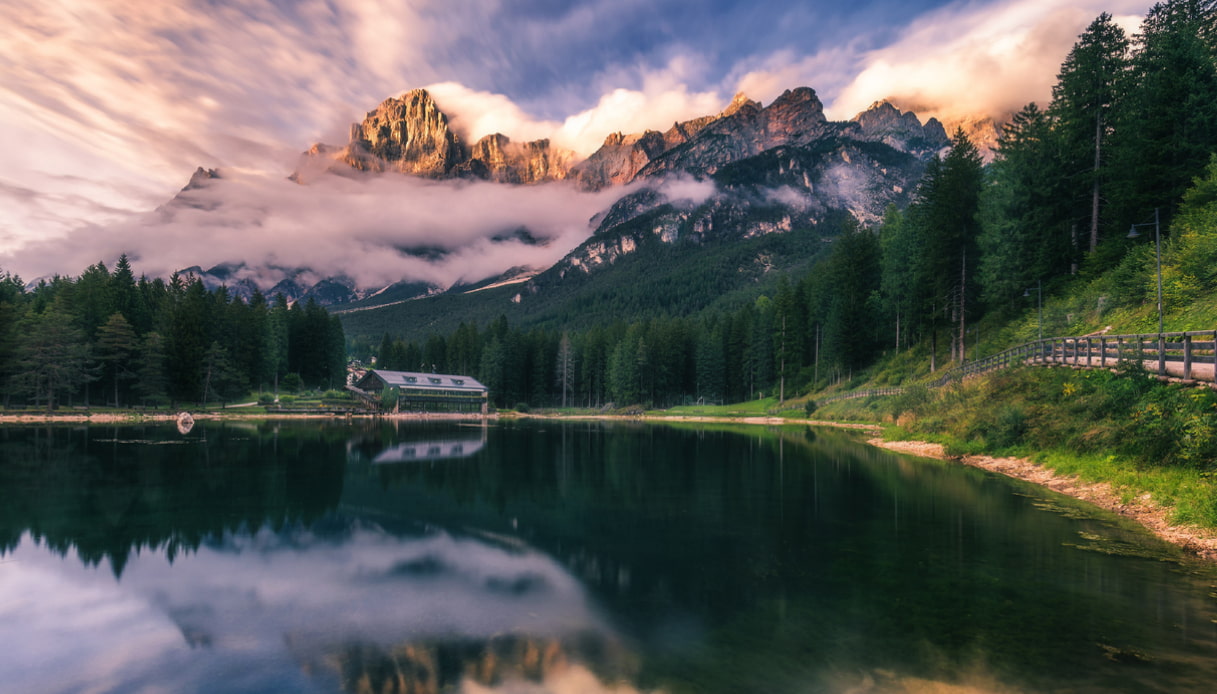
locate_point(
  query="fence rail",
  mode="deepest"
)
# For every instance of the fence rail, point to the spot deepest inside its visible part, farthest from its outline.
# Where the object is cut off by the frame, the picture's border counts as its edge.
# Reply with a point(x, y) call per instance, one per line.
point(1184, 356)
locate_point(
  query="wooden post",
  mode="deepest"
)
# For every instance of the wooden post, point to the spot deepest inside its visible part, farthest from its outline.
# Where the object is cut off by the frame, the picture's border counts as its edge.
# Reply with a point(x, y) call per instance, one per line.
point(1103, 352)
point(1187, 357)
point(1161, 355)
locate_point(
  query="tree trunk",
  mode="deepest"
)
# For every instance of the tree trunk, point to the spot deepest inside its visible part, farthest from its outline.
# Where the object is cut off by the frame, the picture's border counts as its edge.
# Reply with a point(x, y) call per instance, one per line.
point(1094, 187)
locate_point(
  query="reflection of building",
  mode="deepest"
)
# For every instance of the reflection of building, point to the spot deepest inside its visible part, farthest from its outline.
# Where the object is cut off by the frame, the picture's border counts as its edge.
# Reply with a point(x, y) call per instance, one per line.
point(436, 449)
point(406, 391)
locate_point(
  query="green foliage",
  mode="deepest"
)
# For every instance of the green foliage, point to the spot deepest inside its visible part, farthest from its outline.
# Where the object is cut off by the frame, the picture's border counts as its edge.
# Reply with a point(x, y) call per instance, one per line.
point(291, 383)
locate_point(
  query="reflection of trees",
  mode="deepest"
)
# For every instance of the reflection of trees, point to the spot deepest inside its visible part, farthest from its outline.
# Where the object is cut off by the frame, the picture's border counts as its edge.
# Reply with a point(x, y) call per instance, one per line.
point(104, 492)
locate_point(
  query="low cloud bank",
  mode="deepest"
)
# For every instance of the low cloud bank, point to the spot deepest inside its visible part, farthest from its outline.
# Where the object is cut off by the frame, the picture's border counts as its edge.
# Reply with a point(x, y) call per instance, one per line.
point(367, 228)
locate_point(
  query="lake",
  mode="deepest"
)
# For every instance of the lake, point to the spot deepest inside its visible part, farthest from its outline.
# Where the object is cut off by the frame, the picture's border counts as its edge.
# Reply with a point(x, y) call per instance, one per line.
point(567, 557)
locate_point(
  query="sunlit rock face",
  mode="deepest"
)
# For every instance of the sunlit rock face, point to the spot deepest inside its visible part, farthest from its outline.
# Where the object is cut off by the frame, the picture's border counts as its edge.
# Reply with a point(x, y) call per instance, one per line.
point(496, 158)
point(744, 130)
point(410, 134)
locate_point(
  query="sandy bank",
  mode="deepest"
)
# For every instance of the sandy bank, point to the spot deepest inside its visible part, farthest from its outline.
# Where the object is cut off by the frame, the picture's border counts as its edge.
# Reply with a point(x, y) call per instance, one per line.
point(1143, 509)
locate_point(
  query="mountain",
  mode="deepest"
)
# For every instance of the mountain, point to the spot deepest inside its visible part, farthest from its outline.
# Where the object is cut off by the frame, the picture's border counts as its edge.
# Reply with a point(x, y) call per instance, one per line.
point(410, 134)
point(716, 203)
point(714, 206)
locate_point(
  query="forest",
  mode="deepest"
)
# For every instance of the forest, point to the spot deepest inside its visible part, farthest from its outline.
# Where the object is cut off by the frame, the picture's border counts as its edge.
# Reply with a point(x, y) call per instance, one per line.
point(106, 338)
point(1126, 140)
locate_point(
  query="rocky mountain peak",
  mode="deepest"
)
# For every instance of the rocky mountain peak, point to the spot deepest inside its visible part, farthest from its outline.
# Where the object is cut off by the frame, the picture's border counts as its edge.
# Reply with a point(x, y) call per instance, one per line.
point(201, 178)
point(902, 130)
point(795, 115)
point(410, 133)
point(740, 102)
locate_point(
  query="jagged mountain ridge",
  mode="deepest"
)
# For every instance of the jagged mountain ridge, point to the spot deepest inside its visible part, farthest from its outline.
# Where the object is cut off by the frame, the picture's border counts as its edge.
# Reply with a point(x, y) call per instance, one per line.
point(782, 170)
point(767, 170)
point(774, 169)
point(410, 134)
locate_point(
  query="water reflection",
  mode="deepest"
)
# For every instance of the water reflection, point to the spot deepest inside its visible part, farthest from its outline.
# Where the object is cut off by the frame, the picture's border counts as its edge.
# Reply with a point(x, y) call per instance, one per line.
point(351, 605)
point(567, 557)
point(432, 449)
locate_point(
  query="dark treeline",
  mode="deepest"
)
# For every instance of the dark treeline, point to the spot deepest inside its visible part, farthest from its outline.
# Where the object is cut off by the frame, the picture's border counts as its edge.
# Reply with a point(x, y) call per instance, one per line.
point(1131, 126)
point(107, 338)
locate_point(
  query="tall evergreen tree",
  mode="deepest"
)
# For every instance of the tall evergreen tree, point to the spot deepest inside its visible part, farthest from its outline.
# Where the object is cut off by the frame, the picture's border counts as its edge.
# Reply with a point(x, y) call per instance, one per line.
point(52, 358)
point(1025, 230)
point(116, 344)
point(1088, 91)
point(944, 228)
point(1169, 129)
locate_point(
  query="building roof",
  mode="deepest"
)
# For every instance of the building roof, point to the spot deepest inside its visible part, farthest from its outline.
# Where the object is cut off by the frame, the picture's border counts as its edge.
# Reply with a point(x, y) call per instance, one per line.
point(411, 380)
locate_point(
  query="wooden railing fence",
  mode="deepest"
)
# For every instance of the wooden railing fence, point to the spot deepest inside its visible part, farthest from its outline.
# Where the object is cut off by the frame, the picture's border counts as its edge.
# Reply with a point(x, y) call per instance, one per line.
point(1185, 356)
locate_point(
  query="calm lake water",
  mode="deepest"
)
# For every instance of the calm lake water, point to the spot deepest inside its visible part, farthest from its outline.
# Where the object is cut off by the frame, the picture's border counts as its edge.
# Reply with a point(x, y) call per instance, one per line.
point(567, 557)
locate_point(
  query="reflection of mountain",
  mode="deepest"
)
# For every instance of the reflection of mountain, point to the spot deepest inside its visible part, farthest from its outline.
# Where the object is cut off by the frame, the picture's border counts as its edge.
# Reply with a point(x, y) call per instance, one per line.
point(504, 662)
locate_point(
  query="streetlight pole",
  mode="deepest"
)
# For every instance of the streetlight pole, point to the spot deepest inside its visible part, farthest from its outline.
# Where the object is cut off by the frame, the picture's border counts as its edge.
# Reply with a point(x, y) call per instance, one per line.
point(1132, 234)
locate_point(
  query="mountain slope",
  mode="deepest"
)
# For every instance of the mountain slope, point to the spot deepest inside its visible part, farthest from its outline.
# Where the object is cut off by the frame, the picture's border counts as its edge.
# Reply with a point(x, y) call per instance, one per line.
point(716, 204)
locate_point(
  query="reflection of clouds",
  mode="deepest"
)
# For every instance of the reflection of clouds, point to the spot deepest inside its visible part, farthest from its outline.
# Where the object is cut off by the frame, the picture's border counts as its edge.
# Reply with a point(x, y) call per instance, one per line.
point(71, 628)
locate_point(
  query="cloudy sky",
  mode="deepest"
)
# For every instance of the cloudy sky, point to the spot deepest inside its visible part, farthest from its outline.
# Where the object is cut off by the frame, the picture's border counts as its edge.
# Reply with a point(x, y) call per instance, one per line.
point(107, 106)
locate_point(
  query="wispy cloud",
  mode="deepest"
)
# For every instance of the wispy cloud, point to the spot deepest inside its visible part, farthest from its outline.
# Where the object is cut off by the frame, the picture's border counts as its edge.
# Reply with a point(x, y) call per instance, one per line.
point(974, 59)
point(361, 227)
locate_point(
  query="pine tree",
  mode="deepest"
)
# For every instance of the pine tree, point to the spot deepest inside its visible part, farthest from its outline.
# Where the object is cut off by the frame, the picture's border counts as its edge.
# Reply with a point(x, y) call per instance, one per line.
point(116, 343)
point(1025, 232)
point(52, 358)
point(1169, 129)
point(153, 382)
point(1087, 94)
point(565, 367)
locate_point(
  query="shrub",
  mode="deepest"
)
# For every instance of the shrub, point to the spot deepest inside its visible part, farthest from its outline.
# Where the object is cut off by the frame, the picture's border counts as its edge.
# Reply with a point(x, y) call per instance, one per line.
point(292, 383)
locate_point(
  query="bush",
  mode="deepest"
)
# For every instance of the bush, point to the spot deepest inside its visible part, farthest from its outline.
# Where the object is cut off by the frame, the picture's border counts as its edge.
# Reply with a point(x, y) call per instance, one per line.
point(266, 399)
point(292, 383)
point(911, 400)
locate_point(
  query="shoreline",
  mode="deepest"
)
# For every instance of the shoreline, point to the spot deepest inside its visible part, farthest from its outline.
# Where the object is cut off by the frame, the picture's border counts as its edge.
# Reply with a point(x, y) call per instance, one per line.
point(1199, 542)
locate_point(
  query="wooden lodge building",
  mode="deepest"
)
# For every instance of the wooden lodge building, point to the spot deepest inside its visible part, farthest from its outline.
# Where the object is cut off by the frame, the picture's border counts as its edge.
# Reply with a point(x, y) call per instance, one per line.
point(422, 392)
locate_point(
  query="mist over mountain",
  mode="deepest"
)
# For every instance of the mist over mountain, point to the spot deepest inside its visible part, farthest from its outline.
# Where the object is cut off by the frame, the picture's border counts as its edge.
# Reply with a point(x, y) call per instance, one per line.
point(408, 208)
point(747, 174)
